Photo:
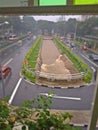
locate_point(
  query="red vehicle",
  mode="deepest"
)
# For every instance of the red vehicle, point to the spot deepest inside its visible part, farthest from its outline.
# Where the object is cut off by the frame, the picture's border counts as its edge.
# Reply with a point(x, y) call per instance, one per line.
point(4, 72)
point(84, 47)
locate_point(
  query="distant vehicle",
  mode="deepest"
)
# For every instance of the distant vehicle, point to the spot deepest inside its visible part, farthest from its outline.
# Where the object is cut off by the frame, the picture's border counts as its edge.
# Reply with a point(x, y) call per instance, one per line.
point(28, 38)
point(72, 45)
point(5, 71)
point(12, 37)
point(94, 57)
point(20, 42)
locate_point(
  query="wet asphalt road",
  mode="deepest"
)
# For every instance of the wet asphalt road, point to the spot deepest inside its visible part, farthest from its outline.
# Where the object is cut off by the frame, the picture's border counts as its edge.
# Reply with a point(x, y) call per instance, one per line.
point(28, 91)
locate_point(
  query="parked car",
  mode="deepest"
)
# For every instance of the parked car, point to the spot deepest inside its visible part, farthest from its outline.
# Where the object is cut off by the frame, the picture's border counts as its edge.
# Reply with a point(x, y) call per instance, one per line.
point(5, 71)
point(94, 57)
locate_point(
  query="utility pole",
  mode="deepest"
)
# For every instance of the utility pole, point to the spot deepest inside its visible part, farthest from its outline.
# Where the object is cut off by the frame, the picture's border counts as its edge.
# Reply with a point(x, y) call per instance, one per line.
point(75, 33)
point(94, 114)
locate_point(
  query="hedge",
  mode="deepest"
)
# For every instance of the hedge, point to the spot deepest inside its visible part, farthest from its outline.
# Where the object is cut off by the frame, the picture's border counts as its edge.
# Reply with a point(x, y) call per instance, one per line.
point(29, 63)
point(77, 62)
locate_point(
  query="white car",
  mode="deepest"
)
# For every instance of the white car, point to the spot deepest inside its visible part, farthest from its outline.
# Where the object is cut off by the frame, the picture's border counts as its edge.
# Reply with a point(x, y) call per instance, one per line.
point(94, 57)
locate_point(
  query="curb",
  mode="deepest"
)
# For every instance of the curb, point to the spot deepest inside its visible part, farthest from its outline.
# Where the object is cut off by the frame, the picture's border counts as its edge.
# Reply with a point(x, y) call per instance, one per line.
point(60, 87)
point(81, 125)
point(55, 87)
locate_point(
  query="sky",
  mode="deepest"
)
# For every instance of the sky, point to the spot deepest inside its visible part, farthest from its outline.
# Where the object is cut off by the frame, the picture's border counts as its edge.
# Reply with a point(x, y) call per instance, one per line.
point(55, 18)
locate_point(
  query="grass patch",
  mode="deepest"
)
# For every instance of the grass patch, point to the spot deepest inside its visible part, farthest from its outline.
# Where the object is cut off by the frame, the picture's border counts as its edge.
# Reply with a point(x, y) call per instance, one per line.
point(29, 64)
point(77, 62)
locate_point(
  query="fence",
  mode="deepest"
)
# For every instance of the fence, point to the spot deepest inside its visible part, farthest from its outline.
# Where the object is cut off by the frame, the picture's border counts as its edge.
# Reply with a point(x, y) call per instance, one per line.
point(59, 76)
point(56, 76)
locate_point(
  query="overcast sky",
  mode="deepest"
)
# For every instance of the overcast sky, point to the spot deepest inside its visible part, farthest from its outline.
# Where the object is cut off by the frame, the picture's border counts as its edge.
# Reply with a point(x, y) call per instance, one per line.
point(55, 17)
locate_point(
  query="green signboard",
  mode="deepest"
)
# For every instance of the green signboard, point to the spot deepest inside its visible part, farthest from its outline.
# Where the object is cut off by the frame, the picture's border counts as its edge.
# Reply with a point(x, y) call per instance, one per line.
point(52, 2)
point(85, 2)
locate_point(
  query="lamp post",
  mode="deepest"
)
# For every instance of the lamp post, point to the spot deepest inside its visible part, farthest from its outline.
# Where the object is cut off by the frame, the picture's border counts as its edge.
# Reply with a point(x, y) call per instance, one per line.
point(2, 81)
point(75, 32)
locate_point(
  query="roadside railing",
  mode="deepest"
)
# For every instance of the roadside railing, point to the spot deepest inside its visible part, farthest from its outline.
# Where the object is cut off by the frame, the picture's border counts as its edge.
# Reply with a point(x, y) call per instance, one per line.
point(53, 77)
point(59, 76)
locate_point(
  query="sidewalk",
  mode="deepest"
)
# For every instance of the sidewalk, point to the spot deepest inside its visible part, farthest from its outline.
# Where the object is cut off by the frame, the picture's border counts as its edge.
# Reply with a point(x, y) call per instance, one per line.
point(80, 117)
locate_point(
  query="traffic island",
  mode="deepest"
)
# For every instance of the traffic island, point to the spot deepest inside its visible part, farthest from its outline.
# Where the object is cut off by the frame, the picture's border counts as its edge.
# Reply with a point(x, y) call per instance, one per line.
point(47, 65)
point(56, 69)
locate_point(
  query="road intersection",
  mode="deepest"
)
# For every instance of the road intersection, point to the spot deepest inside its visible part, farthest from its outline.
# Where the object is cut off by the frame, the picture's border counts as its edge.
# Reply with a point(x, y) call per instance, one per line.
point(20, 90)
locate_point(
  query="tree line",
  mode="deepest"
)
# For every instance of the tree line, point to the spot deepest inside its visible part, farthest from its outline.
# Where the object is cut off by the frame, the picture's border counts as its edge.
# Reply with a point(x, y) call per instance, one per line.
point(62, 27)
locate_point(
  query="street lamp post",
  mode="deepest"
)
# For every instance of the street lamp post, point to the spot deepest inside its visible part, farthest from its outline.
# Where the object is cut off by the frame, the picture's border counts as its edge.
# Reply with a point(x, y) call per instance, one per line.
point(2, 81)
point(75, 33)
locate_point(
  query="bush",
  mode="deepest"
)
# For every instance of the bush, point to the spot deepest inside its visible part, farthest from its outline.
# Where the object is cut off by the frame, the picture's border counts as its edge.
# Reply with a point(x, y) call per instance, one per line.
point(38, 118)
point(28, 66)
point(78, 63)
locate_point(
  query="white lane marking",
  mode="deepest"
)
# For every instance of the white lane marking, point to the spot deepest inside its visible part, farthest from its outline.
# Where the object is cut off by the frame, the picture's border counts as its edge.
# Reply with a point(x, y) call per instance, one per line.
point(93, 69)
point(8, 62)
point(15, 90)
point(60, 97)
point(89, 60)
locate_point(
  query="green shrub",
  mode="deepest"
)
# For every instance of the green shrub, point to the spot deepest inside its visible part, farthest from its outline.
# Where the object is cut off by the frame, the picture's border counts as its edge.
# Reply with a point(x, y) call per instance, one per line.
point(77, 62)
point(44, 118)
point(28, 68)
point(38, 118)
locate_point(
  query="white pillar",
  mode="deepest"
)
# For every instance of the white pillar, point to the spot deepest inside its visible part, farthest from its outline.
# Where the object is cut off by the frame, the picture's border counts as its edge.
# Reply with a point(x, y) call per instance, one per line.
point(94, 114)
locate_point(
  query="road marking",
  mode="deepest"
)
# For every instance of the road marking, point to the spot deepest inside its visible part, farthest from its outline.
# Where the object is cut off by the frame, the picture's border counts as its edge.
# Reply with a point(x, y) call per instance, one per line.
point(15, 90)
point(59, 97)
point(89, 60)
point(93, 69)
point(8, 62)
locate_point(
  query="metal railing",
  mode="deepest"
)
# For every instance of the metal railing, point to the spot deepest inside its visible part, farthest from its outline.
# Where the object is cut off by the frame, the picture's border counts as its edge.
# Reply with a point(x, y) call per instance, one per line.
point(59, 76)
point(52, 76)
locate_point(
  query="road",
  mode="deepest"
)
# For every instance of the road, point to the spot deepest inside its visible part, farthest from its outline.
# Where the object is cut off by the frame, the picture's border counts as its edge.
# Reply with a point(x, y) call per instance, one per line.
point(20, 90)
point(27, 91)
point(13, 57)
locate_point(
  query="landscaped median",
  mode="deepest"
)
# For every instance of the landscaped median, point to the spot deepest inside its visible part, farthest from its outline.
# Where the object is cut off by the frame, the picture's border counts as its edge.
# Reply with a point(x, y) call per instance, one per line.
point(30, 60)
point(77, 62)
